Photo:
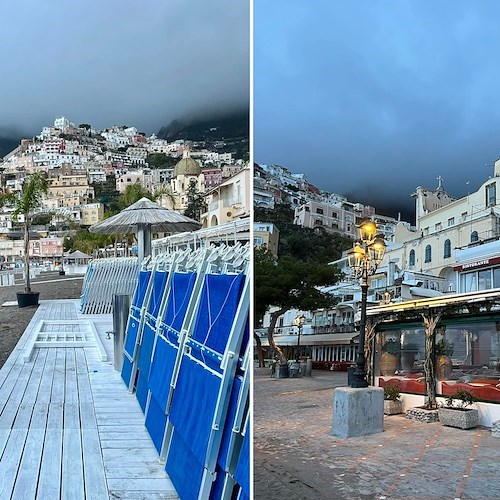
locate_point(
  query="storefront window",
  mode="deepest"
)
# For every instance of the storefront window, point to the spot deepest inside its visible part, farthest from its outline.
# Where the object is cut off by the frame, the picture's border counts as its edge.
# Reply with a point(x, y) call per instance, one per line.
point(484, 280)
point(467, 354)
point(401, 352)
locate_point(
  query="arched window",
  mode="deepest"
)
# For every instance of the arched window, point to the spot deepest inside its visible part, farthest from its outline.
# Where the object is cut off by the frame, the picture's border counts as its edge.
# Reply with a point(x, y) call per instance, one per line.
point(428, 253)
point(474, 236)
point(447, 249)
point(412, 258)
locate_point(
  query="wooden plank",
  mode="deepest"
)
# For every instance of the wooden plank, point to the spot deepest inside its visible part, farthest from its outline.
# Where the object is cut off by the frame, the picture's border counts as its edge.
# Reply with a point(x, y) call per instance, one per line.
point(82, 375)
point(71, 388)
point(156, 471)
point(31, 392)
point(58, 380)
point(93, 466)
point(72, 483)
point(50, 469)
point(27, 477)
point(125, 443)
point(143, 495)
point(49, 485)
point(10, 461)
point(47, 377)
point(142, 484)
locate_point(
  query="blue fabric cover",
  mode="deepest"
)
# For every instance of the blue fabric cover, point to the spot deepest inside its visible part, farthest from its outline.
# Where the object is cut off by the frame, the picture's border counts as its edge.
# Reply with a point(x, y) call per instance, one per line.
point(178, 299)
point(126, 370)
point(228, 425)
point(142, 286)
point(193, 405)
point(161, 371)
point(184, 469)
point(146, 349)
point(156, 421)
point(242, 473)
point(131, 335)
point(141, 391)
point(159, 280)
point(219, 302)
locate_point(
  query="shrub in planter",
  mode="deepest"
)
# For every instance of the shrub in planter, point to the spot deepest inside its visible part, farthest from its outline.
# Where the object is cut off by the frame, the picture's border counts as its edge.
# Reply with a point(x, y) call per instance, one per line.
point(455, 412)
point(392, 404)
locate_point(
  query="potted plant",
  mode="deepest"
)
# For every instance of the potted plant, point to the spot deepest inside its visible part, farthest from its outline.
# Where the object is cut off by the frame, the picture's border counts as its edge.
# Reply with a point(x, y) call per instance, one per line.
point(455, 412)
point(392, 404)
point(25, 203)
point(443, 350)
point(390, 357)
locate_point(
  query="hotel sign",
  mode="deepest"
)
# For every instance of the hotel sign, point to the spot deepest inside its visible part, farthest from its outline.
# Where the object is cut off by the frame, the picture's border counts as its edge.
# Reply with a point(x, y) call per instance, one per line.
point(477, 263)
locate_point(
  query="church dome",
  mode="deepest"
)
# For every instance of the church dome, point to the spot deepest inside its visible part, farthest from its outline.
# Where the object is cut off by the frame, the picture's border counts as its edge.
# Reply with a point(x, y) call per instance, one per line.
point(187, 166)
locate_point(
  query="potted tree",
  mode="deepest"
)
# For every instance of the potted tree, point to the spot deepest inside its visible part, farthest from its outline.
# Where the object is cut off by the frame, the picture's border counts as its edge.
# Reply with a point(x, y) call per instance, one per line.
point(455, 412)
point(25, 204)
point(392, 404)
point(444, 350)
point(390, 357)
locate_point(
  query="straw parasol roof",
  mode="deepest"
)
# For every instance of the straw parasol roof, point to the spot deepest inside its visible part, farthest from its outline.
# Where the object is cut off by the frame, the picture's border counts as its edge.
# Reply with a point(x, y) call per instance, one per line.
point(78, 255)
point(145, 213)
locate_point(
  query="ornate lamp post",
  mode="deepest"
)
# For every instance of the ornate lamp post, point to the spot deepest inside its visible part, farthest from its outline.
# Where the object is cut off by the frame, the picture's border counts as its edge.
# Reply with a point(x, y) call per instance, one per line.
point(364, 259)
point(299, 323)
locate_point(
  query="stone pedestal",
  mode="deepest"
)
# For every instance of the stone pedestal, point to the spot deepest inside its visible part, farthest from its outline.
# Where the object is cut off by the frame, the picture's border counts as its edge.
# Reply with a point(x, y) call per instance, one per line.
point(357, 412)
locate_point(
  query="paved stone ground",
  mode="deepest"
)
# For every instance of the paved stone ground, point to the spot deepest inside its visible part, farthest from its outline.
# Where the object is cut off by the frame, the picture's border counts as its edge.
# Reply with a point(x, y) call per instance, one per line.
point(296, 458)
point(14, 320)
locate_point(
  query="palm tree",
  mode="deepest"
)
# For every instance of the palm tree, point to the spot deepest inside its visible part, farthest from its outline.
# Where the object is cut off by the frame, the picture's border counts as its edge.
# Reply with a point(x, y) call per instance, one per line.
point(25, 203)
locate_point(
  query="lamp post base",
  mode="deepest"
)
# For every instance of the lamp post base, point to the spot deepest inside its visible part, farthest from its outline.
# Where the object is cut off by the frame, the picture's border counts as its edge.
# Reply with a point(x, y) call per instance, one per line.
point(357, 412)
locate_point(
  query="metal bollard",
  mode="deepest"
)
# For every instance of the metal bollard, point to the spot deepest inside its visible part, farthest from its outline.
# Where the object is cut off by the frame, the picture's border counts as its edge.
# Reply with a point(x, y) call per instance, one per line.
point(309, 367)
point(121, 307)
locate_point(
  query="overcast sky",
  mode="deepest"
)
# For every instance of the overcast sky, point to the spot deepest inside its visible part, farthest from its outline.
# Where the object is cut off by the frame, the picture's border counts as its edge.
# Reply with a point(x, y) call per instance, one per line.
point(121, 62)
point(374, 98)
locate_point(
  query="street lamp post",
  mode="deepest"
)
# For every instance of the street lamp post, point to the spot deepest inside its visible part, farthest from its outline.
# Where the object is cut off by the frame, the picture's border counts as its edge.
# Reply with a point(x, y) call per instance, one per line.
point(299, 323)
point(364, 259)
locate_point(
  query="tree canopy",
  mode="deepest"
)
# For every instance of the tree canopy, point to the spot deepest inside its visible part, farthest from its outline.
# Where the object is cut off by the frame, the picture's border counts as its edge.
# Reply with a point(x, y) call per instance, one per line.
point(289, 283)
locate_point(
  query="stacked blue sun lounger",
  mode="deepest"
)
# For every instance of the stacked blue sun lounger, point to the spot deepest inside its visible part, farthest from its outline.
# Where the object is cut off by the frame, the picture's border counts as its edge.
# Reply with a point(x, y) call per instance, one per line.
point(134, 324)
point(188, 363)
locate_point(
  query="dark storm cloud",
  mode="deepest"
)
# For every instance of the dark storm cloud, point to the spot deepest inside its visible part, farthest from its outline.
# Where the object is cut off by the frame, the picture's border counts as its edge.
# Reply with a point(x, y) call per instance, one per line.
point(373, 99)
point(107, 62)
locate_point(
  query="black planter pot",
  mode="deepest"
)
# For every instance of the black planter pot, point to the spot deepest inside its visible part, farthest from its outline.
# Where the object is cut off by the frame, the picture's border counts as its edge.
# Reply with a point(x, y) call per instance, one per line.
point(25, 299)
point(62, 273)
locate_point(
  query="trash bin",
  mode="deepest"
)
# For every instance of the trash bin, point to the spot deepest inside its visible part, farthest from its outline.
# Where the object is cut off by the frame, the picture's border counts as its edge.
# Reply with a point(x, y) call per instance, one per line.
point(121, 307)
point(282, 371)
point(350, 374)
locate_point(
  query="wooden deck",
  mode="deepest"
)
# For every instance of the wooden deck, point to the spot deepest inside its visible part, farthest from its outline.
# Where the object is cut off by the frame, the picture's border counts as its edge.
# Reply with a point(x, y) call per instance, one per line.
point(68, 426)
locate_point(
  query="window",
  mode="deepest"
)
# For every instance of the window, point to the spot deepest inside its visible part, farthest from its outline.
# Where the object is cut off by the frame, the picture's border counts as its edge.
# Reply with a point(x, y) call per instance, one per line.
point(451, 221)
point(428, 253)
point(412, 258)
point(464, 216)
point(258, 240)
point(491, 194)
point(474, 236)
point(426, 231)
point(318, 222)
point(306, 209)
point(447, 249)
point(319, 211)
point(335, 215)
point(438, 227)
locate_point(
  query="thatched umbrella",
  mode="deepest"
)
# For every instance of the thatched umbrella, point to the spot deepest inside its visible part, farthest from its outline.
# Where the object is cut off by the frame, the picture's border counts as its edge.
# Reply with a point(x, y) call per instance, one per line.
point(143, 217)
